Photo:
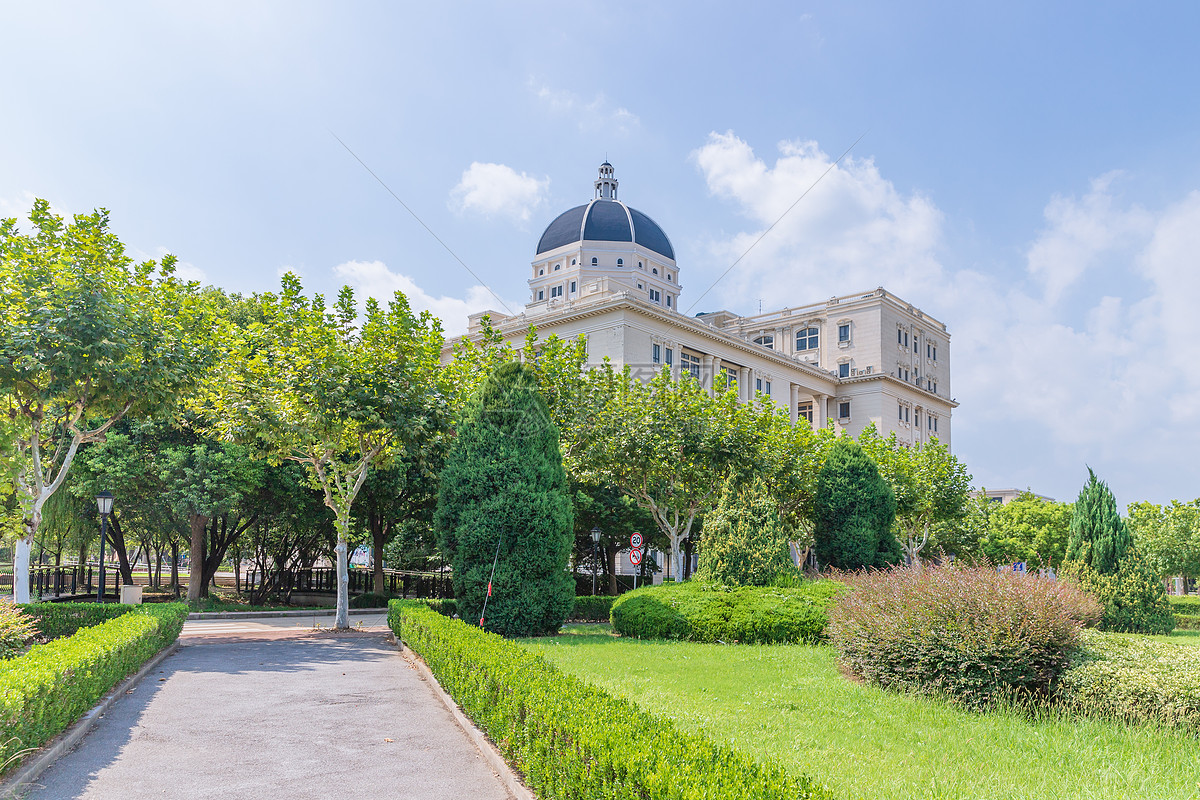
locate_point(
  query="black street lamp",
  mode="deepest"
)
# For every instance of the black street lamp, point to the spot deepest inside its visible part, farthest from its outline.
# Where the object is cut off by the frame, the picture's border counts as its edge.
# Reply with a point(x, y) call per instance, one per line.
point(104, 502)
point(595, 550)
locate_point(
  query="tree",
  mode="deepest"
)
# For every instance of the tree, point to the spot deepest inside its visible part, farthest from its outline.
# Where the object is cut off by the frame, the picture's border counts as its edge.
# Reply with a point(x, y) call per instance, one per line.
point(90, 337)
point(320, 387)
point(1169, 536)
point(854, 511)
point(503, 506)
point(1099, 537)
point(1027, 529)
point(618, 517)
point(745, 541)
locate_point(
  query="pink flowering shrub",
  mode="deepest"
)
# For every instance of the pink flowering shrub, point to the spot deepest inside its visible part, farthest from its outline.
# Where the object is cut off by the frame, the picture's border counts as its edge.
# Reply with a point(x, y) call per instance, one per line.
point(969, 633)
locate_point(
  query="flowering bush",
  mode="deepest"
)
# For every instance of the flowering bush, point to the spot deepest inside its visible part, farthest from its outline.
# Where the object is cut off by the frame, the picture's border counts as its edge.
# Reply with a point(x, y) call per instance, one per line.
point(16, 629)
point(970, 633)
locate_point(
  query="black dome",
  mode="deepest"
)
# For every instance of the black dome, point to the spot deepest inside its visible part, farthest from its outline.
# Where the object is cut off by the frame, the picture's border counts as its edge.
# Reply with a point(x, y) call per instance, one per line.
point(605, 221)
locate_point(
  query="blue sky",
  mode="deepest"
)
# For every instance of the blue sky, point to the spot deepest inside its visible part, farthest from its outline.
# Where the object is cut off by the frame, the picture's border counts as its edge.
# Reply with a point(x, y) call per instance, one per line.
point(1030, 173)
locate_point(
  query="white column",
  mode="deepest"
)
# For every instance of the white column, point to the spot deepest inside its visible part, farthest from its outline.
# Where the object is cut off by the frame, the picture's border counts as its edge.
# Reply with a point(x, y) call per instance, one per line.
point(819, 410)
point(716, 372)
point(794, 403)
point(744, 383)
point(706, 372)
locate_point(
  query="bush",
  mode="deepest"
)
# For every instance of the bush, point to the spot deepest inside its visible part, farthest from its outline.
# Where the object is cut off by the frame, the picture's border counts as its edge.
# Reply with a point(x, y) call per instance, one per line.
point(503, 486)
point(854, 510)
point(370, 600)
point(1134, 679)
point(972, 634)
point(1187, 606)
point(570, 739)
point(1133, 597)
point(56, 620)
point(447, 607)
point(48, 688)
point(591, 608)
point(16, 630)
point(745, 543)
point(700, 612)
point(1185, 622)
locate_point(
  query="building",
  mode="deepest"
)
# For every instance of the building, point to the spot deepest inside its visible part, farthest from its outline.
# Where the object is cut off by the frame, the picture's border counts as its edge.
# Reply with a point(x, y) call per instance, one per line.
point(607, 271)
point(1005, 496)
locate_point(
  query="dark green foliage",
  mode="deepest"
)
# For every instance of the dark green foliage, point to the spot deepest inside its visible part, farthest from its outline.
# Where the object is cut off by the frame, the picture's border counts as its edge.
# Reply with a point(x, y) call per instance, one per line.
point(1134, 679)
point(16, 630)
point(56, 620)
point(1133, 597)
point(854, 511)
point(971, 634)
point(370, 600)
point(504, 485)
point(447, 608)
point(744, 542)
point(570, 739)
point(1189, 605)
point(48, 688)
point(1099, 538)
point(1187, 623)
point(589, 608)
point(710, 613)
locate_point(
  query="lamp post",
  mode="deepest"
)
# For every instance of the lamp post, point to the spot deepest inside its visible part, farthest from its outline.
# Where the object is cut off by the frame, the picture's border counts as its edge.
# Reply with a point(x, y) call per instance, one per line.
point(595, 550)
point(104, 503)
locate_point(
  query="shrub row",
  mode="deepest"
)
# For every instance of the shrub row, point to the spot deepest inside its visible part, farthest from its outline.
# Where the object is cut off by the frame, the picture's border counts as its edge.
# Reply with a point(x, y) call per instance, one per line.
point(591, 608)
point(700, 612)
point(56, 620)
point(572, 740)
point(370, 600)
point(1187, 623)
point(972, 634)
point(1187, 606)
point(48, 688)
point(1134, 679)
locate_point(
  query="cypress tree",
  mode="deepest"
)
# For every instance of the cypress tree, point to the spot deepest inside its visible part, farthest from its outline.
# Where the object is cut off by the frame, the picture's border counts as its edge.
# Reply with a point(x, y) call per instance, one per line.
point(503, 489)
point(854, 511)
point(1099, 537)
point(744, 541)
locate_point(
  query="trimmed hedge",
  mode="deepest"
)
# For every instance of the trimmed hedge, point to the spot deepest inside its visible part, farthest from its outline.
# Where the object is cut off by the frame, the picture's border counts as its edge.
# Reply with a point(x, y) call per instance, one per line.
point(970, 634)
point(591, 608)
point(701, 612)
point(1134, 679)
point(570, 739)
point(45, 690)
point(56, 620)
point(371, 600)
point(1185, 622)
point(1188, 606)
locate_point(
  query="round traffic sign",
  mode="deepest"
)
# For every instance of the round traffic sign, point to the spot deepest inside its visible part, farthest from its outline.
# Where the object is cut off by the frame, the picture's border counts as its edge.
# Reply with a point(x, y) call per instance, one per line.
point(635, 557)
point(635, 540)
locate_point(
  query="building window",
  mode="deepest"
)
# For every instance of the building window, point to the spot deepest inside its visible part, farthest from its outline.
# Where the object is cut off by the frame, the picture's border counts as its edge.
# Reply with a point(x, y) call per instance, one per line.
point(572, 287)
point(670, 355)
point(657, 354)
point(595, 261)
point(572, 262)
point(935, 424)
point(905, 374)
point(935, 352)
point(917, 419)
point(906, 416)
point(807, 339)
point(767, 390)
point(542, 271)
point(556, 291)
point(900, 411)
point(689, 364)
point(906, 338)
point(899, 336)
point(668, 301)
point(640, 265)
point(620, 262)
point(758, 384)
point(928, 350)
point(668, 276)
point(656, 270)
point(844, 410)
point(934, 389)
point(844, 332)
point(731, 375)
point(805, 411)
point(557, 267)
point(655, 296)
point(541, 294)
point(766, 341)
point(843, 370)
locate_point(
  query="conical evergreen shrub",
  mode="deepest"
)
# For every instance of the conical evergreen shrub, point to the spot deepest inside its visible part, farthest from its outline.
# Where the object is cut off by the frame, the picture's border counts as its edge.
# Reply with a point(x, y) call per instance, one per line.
point(503, 491)
point(854, 511)
point(1099, 538)
point(744, 542)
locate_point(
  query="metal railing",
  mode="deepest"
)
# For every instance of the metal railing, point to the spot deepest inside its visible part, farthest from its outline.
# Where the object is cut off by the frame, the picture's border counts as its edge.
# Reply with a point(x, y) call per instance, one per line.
point(323, 580)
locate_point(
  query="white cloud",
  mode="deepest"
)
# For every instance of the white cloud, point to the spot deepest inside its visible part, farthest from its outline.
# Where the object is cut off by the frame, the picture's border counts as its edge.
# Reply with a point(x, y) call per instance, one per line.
point(374, 279)
point(1086, 356)
point(598, 113)
point(498, 190)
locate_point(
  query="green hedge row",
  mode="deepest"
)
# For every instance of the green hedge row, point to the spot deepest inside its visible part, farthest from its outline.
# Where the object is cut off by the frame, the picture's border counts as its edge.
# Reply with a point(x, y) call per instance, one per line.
point(700, 612)
point(572, 740)
point(587, 608)
point(1135, 679)
point(1188, 606)
point(56, 620)
point(45, 690)
point(1186, 622)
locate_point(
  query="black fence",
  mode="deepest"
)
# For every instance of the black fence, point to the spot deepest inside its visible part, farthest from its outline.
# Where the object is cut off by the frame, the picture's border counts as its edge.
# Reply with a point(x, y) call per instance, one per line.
point(401, 583)
point(73, 580)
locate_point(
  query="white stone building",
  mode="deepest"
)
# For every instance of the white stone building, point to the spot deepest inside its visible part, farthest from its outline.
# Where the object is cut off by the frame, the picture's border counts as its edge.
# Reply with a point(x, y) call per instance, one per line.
point(608, 271)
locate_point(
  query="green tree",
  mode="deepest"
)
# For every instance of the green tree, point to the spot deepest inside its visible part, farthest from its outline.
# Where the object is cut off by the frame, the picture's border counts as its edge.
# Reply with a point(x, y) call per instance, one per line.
point(854, 511)
point(503, 501)
point(328, 390)
point(1099, 537)
point(1169, 536)
point(745, 541)
point(90, 337)
point(1027, 529)
point(618, 517)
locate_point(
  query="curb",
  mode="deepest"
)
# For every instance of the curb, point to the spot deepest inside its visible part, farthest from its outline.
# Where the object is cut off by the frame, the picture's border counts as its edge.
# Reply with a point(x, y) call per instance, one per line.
point(12, 787)
point(516, 789)
point(314, 612)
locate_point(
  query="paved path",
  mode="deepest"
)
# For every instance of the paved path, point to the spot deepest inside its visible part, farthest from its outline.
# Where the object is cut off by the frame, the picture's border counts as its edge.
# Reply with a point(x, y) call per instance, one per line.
point(277, 713)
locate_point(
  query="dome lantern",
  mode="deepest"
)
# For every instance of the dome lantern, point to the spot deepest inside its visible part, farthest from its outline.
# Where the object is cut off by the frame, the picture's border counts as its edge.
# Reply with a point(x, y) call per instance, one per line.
point(606, 183)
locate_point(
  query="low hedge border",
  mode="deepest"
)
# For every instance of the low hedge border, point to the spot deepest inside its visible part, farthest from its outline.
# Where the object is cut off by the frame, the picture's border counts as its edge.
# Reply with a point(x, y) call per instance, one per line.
point(56, 620)
point(1185, 622)
point(571, 739)
point(43, 691)
point(1188, 606)
point(588, 608)
point(1134, 679)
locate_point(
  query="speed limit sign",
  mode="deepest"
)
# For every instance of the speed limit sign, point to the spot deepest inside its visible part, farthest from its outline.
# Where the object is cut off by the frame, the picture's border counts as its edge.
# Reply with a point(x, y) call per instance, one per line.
point(635, 556)
point(635, 540)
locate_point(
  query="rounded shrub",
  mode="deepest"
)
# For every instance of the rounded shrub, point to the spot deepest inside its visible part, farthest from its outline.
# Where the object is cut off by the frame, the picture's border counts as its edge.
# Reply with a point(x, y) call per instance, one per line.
point(744, 542)
point(704, 612)
point(973, 634)
point(854, 509)
point(1133, 597)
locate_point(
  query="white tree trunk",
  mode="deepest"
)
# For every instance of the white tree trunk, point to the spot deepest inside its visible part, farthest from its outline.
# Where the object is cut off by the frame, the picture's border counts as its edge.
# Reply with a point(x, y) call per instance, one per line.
point(342, 618)
point(21, 569)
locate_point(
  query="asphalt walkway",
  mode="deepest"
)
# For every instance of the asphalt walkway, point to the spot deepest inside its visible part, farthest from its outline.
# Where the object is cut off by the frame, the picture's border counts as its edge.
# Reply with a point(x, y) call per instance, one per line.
point(265, 709)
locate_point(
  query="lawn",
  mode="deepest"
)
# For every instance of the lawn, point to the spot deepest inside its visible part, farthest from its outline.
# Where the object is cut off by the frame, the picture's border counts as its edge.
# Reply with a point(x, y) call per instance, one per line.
point(788, 703)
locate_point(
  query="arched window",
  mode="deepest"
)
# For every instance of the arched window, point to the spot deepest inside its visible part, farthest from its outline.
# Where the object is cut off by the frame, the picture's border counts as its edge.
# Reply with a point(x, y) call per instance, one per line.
point(572, 262)
point(620, 262)
point(668, 276)
point(557, 267)
point(656, 270)
point(767, 341)
point(542, 271)
point(807, 339)
point(595, 261)
point(640, 265)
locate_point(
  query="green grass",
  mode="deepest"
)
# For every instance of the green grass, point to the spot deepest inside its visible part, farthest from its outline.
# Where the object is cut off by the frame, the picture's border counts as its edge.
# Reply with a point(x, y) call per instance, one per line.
point(788, 703)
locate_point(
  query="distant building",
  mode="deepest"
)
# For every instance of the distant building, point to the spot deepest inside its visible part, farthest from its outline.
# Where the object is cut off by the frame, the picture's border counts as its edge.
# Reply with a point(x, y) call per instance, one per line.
point(1006, 496)
point(608, 272)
